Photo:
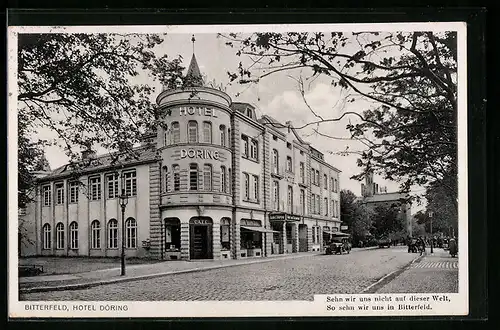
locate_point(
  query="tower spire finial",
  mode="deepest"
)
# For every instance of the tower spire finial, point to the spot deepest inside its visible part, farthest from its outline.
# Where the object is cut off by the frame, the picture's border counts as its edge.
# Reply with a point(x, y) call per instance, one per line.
point(193, 40)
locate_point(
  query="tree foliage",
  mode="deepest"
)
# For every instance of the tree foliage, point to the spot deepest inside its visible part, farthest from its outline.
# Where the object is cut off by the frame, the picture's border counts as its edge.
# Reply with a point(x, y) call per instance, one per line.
point(386, 220)
point(411, 77)
point(355, 215)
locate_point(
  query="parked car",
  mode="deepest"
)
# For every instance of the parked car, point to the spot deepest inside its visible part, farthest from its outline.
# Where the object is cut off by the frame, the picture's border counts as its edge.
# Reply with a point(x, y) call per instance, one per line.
point(338, 245)
point(384, 242)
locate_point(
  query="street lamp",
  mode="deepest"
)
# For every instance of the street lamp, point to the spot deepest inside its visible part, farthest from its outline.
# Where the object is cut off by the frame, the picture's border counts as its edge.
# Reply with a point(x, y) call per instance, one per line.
point(432, 239)
point(123, 203)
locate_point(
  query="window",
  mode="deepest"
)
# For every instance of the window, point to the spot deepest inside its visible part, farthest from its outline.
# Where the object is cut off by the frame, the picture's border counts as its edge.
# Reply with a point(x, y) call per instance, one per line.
point(229, 137)
point(113, 234)
point(177, 177)
point(254, 150)
point(130, 183)
point(131, 233)
point(95, 188)
point(313, 203)
point(60, 193)
point(301, 172)
point(289, 164)
point(112, 185)
point(313, 176)
point(165, 136)
point(325, 181)
point(207, 132)
point(176, 132)
point(290, 199)
point(337, 208)
point(332, 207)
point(192, 131)
point(222, 129)
point(193, 177)
point(73, 192)
point(317, 177)
point(249, 113)
point(336, 186)
point(289, 145)
point(223, 179)
point(47, 195)
point(59, 236)
point(229, 181)
point(246, 181)
point(166, 176)
point(318, 203)
point(244, 148)
point(256, 187)
point(302, 201)
point(95, 234)
point(73, 235)
point(332, 185)
point(276, 194)
point(207, 177)
point(172, 234)
point(46, 238)
point(275, 161)
point(326, 206)
point(317, 234)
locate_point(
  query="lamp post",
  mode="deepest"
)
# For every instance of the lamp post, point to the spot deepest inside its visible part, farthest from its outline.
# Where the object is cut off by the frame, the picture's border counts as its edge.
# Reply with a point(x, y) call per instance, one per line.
point(123, 203)
point(432, 239)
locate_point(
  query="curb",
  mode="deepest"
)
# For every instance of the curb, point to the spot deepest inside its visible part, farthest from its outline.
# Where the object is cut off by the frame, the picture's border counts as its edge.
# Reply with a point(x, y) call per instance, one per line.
point(81, 286)
point(390, 276)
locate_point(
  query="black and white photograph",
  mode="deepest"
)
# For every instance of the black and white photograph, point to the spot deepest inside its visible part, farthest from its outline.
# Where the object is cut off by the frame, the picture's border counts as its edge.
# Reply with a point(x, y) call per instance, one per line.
point(292, 169)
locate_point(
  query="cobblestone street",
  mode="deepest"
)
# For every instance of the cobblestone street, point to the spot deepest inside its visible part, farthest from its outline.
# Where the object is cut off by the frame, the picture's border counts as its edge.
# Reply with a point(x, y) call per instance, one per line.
point(293, 279)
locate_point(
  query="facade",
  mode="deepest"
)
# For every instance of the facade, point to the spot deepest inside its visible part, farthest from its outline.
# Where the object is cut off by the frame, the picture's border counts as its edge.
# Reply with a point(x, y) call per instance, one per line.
point(213, 182)
point(373, 195)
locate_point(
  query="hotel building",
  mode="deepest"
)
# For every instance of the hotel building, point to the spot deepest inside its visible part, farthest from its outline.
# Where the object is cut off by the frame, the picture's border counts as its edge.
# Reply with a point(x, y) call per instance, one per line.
point(212, 182)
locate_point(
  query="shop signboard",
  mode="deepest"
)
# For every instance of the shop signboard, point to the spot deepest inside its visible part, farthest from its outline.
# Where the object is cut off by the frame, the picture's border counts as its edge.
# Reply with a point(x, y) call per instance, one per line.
point(344, 227)
point(284, 216)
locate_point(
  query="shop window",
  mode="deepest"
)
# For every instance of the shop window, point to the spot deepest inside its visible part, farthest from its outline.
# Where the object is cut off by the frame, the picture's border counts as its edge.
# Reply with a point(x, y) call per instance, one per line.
point(172, 234)
point(60, 236)
point(60, 193)
point(176, 132)
point(112, 185)
point(192, 131)
point(177, 177)
point(250, 239)
point(73, 235)
point(47, 195)
point(225, 234)
point(47, 237)
point(113, 234)
point(207, 177)
point(131, 233)
point(193, 177)
point(207, 132)
point(95, 236)
point(73, 192)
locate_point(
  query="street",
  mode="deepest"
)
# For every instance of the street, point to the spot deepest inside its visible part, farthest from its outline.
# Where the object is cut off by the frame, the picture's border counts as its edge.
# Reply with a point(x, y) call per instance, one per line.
point(293, 279)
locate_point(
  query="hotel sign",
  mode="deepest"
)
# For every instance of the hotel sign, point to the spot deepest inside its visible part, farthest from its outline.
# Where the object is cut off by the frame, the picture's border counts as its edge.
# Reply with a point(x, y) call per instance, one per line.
point(200, 153)
point(284, 217)
point(200, 111)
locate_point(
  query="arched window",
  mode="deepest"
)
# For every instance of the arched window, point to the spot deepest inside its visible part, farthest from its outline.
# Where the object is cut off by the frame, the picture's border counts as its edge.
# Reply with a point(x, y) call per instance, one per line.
point(222, 129)
point(223, 179)
point(207, 177)
point(60, 236)
point(46, 238)
point(192, 131)
point(275, 161)
point(131, 233)
point(73, 235)
point(176, 132)
point(249, 113)
point(177, 177)
point(207, 132)
point(113, 234)
point(95, 234)
point(193, 176)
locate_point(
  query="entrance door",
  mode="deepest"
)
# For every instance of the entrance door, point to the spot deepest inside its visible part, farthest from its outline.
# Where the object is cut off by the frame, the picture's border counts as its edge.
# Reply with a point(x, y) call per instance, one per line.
point(302, 238)
point(201, 242)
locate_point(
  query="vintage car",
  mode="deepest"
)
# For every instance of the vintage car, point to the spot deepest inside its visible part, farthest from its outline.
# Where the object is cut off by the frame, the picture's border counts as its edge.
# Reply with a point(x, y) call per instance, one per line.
point(339, 244)
point(384, 242)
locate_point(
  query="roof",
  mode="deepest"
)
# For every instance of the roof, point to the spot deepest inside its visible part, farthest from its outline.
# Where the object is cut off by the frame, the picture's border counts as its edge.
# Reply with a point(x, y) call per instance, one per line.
point(193, 75)
point(386, 197)
point(143, 154)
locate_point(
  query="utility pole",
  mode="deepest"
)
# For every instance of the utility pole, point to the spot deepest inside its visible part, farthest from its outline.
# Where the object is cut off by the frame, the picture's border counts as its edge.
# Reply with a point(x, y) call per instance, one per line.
point(432, 238)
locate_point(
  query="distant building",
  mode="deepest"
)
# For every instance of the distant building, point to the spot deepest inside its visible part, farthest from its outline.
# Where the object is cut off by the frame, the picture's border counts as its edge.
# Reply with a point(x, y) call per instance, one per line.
point(372, 196)
point(213, 182)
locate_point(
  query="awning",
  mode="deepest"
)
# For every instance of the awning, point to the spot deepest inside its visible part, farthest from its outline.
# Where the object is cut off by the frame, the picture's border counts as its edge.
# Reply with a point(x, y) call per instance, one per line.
point(336, 233)
point(260, 229)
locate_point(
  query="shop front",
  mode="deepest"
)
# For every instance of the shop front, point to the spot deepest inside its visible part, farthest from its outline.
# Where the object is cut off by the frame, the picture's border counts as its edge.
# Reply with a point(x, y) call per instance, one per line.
point(286, 236)
point(252, 238)
point(200, 238)
point(172, 235)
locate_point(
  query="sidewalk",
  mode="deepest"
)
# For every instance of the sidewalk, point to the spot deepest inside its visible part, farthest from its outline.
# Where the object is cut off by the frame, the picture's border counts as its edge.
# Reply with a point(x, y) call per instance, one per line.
point(84, 280)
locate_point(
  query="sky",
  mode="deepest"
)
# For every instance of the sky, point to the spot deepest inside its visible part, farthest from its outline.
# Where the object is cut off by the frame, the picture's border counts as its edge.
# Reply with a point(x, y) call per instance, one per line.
point(278, 96)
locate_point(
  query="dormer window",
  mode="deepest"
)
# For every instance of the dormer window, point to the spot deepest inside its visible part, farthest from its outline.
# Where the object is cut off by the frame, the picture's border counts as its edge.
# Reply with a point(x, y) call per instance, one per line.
point(249, 113)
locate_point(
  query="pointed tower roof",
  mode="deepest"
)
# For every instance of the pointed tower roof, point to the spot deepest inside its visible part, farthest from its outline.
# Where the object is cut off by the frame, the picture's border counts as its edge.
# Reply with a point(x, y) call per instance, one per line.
point(193, 75)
